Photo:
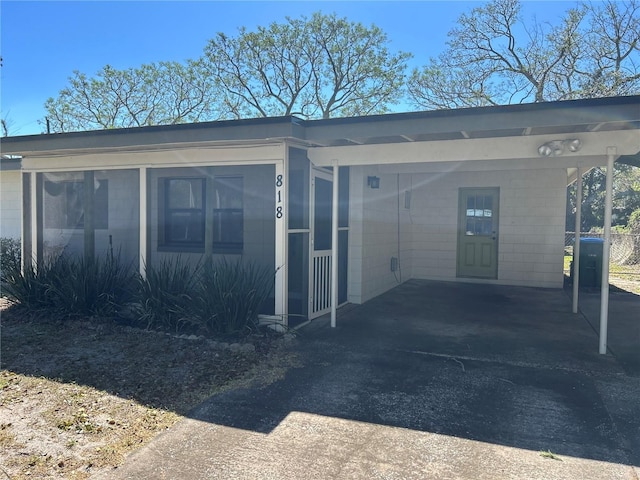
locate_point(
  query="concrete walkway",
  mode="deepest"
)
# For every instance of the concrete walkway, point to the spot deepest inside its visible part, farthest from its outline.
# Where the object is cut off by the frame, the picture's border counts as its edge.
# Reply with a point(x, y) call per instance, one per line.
point(430, 380)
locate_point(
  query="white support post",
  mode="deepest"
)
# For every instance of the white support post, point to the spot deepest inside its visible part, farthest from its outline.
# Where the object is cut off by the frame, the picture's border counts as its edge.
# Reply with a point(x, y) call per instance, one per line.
point(334, 245)
point(576, 243)
point(142, 223)
point(280, 215)
point(606, 248)
point(34, 221)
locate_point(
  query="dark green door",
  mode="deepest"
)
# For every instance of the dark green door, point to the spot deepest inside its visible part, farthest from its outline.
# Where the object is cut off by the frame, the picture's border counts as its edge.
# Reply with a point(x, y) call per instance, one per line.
point(478, 232)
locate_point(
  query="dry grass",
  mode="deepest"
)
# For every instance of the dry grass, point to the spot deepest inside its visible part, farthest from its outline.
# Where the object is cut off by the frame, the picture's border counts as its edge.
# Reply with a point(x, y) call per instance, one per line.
point(77, 396)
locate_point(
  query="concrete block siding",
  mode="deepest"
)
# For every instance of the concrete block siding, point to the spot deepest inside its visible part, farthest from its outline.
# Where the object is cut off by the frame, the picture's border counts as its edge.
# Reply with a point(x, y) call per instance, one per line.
point(11, 203)
point(531, 228)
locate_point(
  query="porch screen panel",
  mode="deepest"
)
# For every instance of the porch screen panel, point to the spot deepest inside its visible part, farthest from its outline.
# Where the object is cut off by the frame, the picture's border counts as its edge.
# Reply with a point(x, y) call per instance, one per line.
point(113, 222)
point(122, 235)
point(298, 276)
point(343, 259)
point(343, 197)
point(298, 189)
point(322, 221)
point(62, 223)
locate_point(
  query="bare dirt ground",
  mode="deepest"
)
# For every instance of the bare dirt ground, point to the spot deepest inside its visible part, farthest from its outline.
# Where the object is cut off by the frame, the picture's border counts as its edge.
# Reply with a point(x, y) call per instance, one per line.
point(77, 396)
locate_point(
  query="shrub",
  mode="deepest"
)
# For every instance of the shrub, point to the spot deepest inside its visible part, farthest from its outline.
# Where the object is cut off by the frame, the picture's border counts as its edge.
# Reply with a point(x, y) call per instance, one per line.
point(97, 286)
point(29, 288)
point(164, 297)
point(71, 286)
point(634, 222)
point(230, 296)
point(10, 256)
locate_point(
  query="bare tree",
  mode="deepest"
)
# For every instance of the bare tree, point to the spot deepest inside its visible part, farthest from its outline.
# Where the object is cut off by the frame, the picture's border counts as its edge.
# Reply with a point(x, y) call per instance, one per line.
point(494, 57)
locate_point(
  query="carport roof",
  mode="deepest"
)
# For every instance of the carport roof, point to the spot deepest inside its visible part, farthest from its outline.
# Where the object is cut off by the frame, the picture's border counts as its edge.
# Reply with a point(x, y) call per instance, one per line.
point(563, 117)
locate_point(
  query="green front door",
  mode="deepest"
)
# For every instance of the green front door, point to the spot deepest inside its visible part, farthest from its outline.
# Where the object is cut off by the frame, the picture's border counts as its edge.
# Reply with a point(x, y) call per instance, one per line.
point(478, 232)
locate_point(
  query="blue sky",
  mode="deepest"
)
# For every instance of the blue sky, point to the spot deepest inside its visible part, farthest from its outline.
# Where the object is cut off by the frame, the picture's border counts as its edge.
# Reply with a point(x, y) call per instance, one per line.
point(43, 42)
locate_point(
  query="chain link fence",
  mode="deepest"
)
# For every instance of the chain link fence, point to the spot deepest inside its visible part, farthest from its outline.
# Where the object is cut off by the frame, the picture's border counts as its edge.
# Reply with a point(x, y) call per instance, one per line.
point(624, 265)
point(625, 247)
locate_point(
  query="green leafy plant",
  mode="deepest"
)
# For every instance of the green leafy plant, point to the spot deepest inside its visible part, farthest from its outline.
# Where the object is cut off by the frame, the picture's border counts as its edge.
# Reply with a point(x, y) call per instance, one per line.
point(10, 256)
point(70, 286)
point(164, 296)
point(30, 287)
point(230, 296)
point(95, 286)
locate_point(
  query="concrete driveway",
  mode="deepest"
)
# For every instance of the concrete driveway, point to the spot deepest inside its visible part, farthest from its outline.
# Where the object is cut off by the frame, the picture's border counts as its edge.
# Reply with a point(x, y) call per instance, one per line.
point(430, 380)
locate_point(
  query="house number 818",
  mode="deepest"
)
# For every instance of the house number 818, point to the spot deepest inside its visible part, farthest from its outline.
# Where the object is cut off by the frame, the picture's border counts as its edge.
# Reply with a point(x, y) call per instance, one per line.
point(279, 184)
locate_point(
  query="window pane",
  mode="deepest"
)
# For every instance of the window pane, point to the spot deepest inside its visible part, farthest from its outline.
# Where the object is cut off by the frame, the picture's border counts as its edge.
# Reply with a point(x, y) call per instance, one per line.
point(229, 192)
point(471, 203)
point(228, 227)
point(185, 192)
point(471, 227)
point(187, 227)
point(184, 213)
point(228, 214)
point(486, 227)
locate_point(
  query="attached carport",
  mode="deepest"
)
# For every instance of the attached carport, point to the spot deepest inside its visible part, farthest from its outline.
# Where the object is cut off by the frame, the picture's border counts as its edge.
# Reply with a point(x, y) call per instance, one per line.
point(537, 147)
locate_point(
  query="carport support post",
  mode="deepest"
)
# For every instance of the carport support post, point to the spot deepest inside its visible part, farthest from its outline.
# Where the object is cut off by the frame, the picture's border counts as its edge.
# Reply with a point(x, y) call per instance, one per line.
point(142, 223)
point(606, 249)
point(576, 241)
point(334, 245)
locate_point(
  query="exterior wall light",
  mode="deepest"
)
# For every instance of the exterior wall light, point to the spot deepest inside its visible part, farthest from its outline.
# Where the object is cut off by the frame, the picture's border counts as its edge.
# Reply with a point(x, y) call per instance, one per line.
point(555, 148)
point(373, 182)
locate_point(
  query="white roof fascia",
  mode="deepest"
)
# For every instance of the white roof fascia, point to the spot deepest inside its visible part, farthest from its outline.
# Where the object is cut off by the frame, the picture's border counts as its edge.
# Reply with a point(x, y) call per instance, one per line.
point(183, 157)
point(501, 148)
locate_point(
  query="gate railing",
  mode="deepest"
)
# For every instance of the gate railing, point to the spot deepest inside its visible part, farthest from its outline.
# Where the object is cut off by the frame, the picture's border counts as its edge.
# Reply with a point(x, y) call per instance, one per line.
point(321, 281)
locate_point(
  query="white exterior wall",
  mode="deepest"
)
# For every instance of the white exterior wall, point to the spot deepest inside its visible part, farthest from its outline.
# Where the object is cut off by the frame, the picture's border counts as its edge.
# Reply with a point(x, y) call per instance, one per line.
point(531, 225)
point(531, 228)
point(374, 234)
point(10, 203)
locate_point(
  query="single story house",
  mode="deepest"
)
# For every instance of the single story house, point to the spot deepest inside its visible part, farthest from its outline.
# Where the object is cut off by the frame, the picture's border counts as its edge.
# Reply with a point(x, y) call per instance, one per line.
point(341, 209)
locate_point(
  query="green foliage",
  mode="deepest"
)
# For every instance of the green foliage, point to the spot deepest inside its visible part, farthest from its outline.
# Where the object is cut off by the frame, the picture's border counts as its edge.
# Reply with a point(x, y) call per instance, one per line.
point(230, 296)
point(10, 255)
point(317, 67)
point(152, 94)
point(323, 66)
point(70, 286)
point(165, 296)
point(29, 288)
point(626, 197)
point(634, 222)
point(97, 286)
point(221, 297)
